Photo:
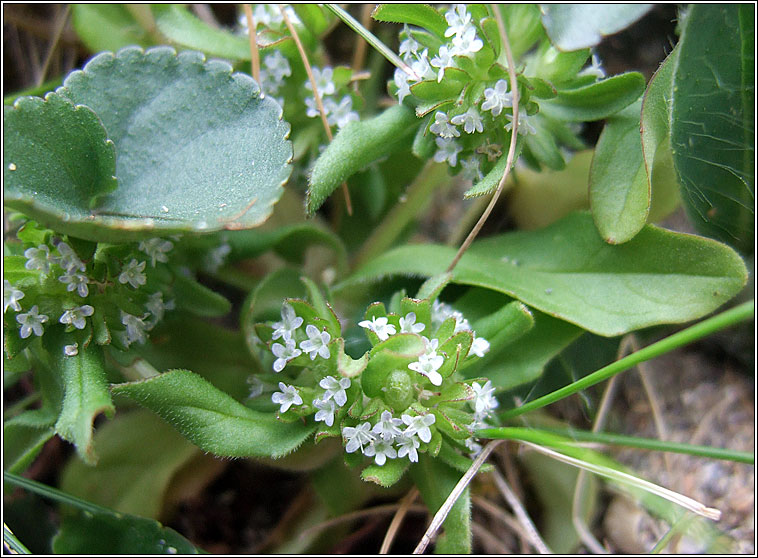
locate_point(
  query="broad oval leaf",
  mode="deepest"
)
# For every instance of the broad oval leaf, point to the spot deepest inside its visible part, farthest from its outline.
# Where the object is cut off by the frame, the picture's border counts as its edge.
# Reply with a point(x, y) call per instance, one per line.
point(213, 420)
point(575, 26)
point(619, 188)
point(57, 157)
point(595, 101)
point(198, 149)
point(568, 271)
point(712, 121)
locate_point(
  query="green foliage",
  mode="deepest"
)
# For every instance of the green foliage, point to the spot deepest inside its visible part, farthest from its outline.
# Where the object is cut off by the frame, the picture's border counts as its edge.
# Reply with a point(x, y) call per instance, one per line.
point(712, 121)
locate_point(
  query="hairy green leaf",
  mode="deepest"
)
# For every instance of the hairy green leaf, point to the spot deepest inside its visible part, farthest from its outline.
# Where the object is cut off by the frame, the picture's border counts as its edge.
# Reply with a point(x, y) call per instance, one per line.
point(421, 15)
point(357, 145)
point(595, 101)
point(213, 420)
point(85, 396)
point(619, 189)
point(385, 475)
point(713, 121)
point(58, 158)
point(21, 444)
point(575, 26)
point(568, 271)
point(179, 168)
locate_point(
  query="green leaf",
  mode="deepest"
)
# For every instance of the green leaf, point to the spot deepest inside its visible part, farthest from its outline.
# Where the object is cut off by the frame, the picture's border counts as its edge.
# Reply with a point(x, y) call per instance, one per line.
point(489, 183)
point(213, 420)
point(108, 27)
point(568, 271)
point(595, 101)
point(575, 26)
point(314, 18)
point(139, 455)
point(357, 145)
point(21, 444)
point(712, 121)
point(385, 475)
point(421, 15)
point(198, 299)
point(58, 158)
point(180, 26)
point(178, 168)
point(395, 353)
point(115, 533)
point(656, 150)
point(619, 189)
point(85, 395)
point(435, 481)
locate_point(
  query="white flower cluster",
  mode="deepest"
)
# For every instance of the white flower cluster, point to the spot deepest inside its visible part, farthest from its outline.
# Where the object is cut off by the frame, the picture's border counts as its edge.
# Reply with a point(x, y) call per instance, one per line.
point(483, 404)
point(337, 113)
point(385, 440)
point(329, 401)
point(74, 317)
point(442, 311)
point(317, 343)
point(275, 68)
point(268, 15)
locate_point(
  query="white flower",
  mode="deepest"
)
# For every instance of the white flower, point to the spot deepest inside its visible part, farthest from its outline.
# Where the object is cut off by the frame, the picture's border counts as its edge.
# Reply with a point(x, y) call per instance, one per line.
point(480, 346)
point(448, 151)
point(401, 80)
point(68, 259)
point(290, 322)
point(256, 386)
point(419, 425)
point(442, 126)
point(407, 445)
point(287, 397)
point(311, 108)
point(323, 79)
point(458, 20)
point(470, 119)
point(379, 326)
point(497, 98)
point(484, 399)
point(442, 311)
point(524, 126)
point(284, 353)
point(357, 436)
point(316, 343)
point(473, 447)
point(421, 66)
point(31, 321)
point(38, 258)
point(135, 328)
point(467, 43)
point(387, 427)
point(409, 325)
point(444, 59)
point(342, 114)
point(381, 450)
point(408, 46)
point(215, 258)
point(75, 281)
point(133, 274)
point(11, 296)
point(325, 412)
point(427, 366)
point(71, 350)
point(75, 316)
point(277, 67)
point(268, 15)
point(594, 69)
point(471, 168)
point(335, 389)
point(156, 248)
point(157, 307)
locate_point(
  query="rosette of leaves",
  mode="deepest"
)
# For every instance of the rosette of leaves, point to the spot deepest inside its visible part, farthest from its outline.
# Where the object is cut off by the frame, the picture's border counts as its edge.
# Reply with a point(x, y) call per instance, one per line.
point(146, 143)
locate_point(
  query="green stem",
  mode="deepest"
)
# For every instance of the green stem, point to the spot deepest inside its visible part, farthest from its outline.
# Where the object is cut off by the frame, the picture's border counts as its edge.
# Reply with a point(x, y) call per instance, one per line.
point(433, 176)
point(19, 406)
point(52, 493)
point(678, 528)
point(12, 542)
point(570, 435)
point(716, 323)
point(370, 38)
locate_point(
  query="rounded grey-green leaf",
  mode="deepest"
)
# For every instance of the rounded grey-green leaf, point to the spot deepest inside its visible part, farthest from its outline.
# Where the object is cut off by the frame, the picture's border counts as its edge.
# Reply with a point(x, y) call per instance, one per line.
point(58, 158)
point(198, 148)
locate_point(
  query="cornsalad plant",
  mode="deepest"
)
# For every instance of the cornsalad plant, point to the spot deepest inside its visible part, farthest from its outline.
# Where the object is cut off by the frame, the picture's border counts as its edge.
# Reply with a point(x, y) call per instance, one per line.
point(158, 253)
